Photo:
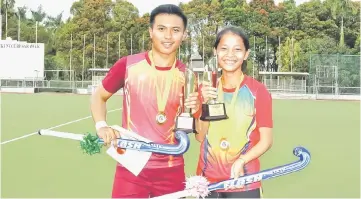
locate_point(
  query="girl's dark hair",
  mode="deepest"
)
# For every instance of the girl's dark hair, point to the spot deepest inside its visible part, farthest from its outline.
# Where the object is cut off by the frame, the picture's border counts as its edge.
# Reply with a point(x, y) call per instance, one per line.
point(237, 31)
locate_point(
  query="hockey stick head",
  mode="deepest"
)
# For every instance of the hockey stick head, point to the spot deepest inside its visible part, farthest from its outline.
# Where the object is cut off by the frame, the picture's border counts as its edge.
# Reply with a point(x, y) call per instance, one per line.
point(301, 152)
point(183, 140)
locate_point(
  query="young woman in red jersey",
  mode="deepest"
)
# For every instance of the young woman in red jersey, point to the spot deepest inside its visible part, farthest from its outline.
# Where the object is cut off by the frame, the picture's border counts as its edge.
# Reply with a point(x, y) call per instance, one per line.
point(231, 148)
point(152, 84)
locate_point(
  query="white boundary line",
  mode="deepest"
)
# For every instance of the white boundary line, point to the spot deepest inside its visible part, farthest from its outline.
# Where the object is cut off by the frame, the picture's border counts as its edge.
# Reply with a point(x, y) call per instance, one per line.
point(53, 127)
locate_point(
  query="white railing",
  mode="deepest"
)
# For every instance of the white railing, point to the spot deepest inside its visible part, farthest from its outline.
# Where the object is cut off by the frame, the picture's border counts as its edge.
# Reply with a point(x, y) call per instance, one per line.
point(317, 93)
point(30, 86)
point(26, 83)
point(279, 89)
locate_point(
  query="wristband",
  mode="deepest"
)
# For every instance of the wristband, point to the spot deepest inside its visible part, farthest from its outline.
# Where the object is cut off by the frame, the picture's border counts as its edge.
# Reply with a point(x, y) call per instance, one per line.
point(100, 124)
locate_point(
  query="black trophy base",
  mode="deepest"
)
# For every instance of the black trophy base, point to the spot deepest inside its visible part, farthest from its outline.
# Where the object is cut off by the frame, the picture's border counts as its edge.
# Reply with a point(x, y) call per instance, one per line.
point(186, 123)
point(213, 112)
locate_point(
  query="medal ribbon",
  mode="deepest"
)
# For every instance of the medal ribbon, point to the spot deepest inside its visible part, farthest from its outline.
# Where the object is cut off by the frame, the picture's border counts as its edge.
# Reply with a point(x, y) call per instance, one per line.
point(222, 133)
point(219, 126)
point(231, 106)
point(162, 98)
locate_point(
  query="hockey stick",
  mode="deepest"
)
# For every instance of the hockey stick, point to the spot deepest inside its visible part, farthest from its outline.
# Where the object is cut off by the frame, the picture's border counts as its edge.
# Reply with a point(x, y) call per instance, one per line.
point(92, 144)
point(199, 187)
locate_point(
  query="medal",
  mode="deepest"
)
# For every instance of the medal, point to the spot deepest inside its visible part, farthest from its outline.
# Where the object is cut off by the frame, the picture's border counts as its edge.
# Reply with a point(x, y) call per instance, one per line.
point(162, 96)
point(161, 118)
point(224, 144)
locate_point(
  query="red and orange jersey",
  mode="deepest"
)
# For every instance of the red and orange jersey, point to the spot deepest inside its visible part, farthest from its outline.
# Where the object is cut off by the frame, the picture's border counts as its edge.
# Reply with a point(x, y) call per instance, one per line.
point(135, 74)
point(227, 139)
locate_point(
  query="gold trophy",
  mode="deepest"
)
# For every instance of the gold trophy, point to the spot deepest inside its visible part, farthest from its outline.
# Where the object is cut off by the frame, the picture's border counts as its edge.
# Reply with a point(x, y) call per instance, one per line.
point(185, 121)
point(213, 110)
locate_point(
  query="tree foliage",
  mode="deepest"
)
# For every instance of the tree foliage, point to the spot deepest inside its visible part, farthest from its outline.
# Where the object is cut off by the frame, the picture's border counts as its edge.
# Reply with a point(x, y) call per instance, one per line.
point(99, 32)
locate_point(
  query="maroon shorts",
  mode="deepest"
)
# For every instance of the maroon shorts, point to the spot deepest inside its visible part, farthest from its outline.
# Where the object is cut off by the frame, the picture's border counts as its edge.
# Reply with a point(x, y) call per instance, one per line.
point(149, 183)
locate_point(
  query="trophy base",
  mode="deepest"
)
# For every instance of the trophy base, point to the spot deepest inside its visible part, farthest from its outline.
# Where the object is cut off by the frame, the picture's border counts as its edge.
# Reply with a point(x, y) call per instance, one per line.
point(213, 112)
point(186, 123)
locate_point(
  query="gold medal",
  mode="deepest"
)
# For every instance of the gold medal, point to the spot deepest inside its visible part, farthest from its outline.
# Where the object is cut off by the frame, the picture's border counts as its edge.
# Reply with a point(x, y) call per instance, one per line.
point(162, 97)
point(224, 144)
point(161, 118)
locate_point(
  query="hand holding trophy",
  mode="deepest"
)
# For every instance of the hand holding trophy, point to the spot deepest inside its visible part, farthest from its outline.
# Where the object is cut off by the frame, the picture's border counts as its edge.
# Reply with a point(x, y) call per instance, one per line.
point(213, 110)
point(185, 121)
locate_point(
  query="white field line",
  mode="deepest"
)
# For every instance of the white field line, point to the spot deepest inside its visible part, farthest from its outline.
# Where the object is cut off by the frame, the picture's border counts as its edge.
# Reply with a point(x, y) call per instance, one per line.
point(53, 127)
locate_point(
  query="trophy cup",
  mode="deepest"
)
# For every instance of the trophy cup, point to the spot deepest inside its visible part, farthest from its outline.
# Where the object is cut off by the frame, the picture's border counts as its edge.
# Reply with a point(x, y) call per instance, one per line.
point(212, 110)
point(185, 121)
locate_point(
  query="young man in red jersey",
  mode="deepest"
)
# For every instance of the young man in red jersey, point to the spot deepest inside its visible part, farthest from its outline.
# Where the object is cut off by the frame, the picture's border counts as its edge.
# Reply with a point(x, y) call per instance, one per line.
point(152, 83)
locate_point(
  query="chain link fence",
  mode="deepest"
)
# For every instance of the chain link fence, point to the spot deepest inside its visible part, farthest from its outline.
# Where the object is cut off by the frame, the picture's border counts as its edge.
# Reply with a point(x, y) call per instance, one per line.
point(333, 75)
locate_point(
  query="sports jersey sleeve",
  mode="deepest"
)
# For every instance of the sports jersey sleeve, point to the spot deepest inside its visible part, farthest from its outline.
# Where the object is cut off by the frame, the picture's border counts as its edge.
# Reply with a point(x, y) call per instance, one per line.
point(264, 108)
point(114, 80)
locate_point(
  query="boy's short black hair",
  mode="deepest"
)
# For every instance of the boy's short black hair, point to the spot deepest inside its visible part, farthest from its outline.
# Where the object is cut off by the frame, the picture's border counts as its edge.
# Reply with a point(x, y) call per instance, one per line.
point(168, 9)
